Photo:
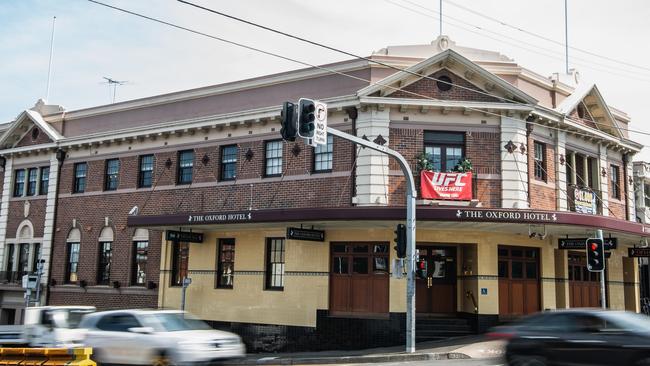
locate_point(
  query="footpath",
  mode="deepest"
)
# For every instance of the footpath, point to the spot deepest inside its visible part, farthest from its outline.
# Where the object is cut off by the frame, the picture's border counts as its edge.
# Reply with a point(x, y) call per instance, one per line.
point(475, 347)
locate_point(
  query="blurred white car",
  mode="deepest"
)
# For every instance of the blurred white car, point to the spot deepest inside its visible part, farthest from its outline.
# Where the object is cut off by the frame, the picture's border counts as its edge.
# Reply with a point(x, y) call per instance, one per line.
point(155, 337)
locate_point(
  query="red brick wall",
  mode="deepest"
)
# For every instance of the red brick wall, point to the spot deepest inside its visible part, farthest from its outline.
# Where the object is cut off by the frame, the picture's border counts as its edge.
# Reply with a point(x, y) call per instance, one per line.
point(111, 299)
point(616, 208)
point(542, 197)
point(426, 88)
point(28, 141)
point(17, 215)
point(481, 148)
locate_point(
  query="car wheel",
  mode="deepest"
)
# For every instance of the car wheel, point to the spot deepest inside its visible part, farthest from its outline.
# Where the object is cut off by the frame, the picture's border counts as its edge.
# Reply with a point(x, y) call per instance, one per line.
point(162, 359)
point(643, 362)
point(527, 361)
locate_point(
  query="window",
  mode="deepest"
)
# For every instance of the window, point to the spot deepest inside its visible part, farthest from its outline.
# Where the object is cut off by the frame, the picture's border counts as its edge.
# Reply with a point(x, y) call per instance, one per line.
point(104, 267)
point(32, 181)
point(118, 323)
point(10, 257)
point(273, 158)
point(36, 257)
point(181, 254)
point(141, 249)
point(614, 181)
point(45, 180)
point(73, 263)
point(145, 171)
point(112, 178)
point(646, 190)
point(323, 155)
point(185, 165)
point(226, 263)
point(445, 149)
point(228, 162)
point(275, 263)
point(80, 171)
point(23, 259)
point(540, 161)
point(19, 183)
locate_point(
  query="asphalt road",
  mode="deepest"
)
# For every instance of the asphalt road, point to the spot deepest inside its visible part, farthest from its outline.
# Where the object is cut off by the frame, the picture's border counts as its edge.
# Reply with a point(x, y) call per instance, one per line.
point(465, 362)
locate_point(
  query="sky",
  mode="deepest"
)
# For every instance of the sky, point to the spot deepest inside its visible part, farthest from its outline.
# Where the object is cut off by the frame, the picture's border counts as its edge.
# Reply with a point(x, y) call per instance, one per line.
point(92, 42)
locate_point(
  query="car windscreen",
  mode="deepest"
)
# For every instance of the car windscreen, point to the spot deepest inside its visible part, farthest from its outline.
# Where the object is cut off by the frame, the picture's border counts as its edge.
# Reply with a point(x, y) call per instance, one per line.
point(627, 322)
point(174, 322)
point(67, 318)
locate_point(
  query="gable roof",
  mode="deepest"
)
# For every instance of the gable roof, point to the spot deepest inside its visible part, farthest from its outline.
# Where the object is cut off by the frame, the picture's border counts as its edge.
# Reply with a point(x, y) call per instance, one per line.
point(21, 126)
point(588, 94)
point(407, 77)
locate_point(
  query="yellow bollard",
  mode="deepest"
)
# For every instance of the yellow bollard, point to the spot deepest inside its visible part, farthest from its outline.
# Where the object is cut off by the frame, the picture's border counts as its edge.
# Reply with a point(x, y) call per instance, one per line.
point(81, 357)
point(11, 356)
point(34, 357)
point(56, 356)
point(46, 357)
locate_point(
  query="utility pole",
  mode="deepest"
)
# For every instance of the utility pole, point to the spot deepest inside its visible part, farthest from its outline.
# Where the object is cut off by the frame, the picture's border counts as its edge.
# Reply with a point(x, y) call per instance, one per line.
point(603, 298)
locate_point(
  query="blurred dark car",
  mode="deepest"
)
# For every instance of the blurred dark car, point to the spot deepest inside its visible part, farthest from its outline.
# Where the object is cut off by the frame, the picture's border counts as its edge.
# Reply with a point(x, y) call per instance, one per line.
point(577, 337)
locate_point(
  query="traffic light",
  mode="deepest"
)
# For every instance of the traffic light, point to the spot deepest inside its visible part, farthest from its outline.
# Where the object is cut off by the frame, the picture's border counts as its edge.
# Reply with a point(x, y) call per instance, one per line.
point(595, 255)
point(400, 240)
point(306, 117)
point(288, 120)
point(421, 270)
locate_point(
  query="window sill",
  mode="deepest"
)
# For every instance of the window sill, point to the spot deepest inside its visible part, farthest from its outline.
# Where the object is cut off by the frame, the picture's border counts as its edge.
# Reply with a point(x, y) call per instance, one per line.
point(223, 288)
point(273, 176)
point(274, 289)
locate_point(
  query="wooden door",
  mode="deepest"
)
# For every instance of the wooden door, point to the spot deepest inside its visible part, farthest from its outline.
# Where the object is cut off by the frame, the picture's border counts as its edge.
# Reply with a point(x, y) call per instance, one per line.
point(437, 293)
point(359, 273)
point(519, 284)
point(584, 286)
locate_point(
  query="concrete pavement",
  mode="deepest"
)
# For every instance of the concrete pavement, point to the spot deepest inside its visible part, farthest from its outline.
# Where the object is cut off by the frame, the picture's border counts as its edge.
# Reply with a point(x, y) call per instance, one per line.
point(474, 347)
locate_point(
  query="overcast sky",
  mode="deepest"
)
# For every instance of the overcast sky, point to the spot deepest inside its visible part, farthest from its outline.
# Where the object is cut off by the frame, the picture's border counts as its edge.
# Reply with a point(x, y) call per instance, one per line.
point(92, 42)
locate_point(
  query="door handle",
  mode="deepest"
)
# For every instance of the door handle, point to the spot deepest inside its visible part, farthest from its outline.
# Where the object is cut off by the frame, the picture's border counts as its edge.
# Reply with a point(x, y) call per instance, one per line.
point(429, 282)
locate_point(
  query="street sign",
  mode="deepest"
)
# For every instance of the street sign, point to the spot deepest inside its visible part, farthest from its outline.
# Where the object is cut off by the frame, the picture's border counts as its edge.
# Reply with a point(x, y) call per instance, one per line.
point(184, 236)
point(579, 243)
point(320, 131)
point(638, 252)
point(305, 234)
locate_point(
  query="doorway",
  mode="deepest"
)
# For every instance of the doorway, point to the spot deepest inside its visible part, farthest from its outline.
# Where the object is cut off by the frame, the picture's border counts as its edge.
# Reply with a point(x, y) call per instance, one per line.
point(584, 286)
point(437, 293)
point(519, 284)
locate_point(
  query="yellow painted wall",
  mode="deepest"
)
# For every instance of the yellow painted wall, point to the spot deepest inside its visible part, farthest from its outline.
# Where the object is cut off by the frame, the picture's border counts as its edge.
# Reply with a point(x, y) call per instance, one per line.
point(562, 273)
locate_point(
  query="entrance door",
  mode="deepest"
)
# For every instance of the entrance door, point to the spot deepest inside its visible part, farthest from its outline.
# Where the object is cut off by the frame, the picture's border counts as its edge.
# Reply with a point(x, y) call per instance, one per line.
point(584, 286)
point(437, 293)
point(518, 281)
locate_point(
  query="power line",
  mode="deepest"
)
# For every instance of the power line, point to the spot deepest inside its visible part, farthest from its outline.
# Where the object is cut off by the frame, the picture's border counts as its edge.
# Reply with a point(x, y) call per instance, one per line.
point(342, 73)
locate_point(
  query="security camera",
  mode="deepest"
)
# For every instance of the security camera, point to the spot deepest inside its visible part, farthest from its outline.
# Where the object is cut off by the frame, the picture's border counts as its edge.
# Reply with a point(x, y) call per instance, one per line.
point(541, 236)
point(134, 211)
point(532, 234)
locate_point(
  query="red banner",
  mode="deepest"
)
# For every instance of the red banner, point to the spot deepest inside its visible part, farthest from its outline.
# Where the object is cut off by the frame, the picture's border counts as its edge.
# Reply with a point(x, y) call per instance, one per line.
point(446, 186)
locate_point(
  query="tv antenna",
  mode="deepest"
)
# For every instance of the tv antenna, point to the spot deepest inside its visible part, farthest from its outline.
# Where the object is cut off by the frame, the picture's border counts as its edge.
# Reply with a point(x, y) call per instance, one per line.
point(112, 87)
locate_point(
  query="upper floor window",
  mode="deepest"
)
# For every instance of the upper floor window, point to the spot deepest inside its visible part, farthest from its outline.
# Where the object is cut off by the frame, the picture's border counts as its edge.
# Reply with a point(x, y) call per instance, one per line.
point(614, 175)
point(323, 155)
point(80, 172)
point(228, 162)
point(445, 149)
point(72, 267)
point(19, 183)
point(646, 190)
point(23, 259)
point(145, 171)
point(540, 161)
point(36, 257)
point(273, 158)
point(185, 166)
point(32, 181)
point(45, 180)
point(112, 178)
point(140, 257)
point(104, 265)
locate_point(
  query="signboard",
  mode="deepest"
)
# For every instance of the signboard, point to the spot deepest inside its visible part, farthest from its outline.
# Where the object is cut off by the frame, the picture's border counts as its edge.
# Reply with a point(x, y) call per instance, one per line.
point(506, 216)
point(579, 243)
point(184, 236)
point(584, 201)
point(219, 218)
point(305, 234)
point(446, 186)
point(320, 125)
point(638, 252)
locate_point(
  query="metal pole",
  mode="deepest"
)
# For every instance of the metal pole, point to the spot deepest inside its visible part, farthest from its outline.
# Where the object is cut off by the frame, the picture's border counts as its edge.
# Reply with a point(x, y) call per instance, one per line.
point(566, 36)
point(440, 17)
point(603, 300)
point(183, 289)
point(39, 274)
point(49, 69)
point(411, 194)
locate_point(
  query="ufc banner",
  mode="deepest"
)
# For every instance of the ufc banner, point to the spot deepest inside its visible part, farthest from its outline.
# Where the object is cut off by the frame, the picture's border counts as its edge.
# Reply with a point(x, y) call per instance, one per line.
point(446, 186)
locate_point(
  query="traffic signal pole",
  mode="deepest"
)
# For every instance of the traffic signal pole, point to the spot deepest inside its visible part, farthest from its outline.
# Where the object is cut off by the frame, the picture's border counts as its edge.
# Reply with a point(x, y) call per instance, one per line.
point(603, 299)
point(411, 193)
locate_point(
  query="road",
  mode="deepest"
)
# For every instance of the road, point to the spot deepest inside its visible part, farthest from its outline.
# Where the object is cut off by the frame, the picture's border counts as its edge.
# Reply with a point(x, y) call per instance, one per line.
point(466, 362)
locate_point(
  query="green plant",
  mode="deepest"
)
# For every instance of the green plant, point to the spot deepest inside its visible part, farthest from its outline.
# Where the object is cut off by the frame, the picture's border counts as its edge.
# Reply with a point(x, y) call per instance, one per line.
point(464, 166)
point(424, 162)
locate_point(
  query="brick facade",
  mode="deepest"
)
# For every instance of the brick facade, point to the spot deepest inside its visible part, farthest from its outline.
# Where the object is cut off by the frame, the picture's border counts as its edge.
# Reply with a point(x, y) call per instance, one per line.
point(29, 140)
point(542, 194)
point(617, 206)
point(427, 88)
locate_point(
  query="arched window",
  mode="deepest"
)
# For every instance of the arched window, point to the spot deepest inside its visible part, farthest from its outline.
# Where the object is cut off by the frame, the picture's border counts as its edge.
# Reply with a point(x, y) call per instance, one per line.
point(105, 256)
point(140, 256)
point(24, 236)
point(72, 262)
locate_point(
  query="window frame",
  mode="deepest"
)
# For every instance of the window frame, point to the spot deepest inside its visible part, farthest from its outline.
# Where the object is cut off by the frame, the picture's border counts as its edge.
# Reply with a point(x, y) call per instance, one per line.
point(68, 262)
point(23, 259)
point(104, 261)
point(539, 162)
point(10, 252)
point(267, 159)
point(21, 183)
point(269, 262)
point(443, 145)
point(31, 185)
point(142, 172)
point(135, 271)
point(614, 181)
point(111, 179)
point(44, 184)
point(219, 275)
point(329, 152)
point(224, 164)
point(79, 182)
point(36, 247)
point(181, 170)
point(177, 269)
